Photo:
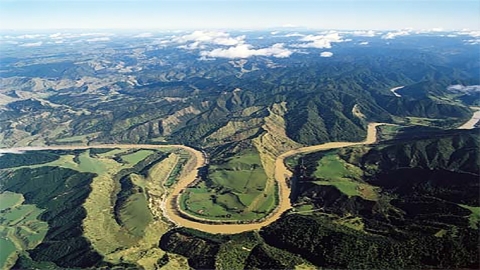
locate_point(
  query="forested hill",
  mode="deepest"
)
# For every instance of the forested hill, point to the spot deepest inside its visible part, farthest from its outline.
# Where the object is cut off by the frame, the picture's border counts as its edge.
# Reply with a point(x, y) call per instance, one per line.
point(411, 203)
point(363, 214)
point(452, 150)
point(168, 94)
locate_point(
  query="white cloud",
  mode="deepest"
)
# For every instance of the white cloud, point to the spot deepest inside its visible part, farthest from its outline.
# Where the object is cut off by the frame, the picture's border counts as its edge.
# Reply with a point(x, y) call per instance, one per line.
point(294, 35)
point(369, 33)
point(33, 44)
point(96, 34)
point(192, 46)
point(392, 35)
point(473, 41)
point(56, 36)
point(98, 39)
point(229, 41)
point(474, 34)
point(320, 41)
point(92, 36)
point(363, 43)
point(12, 42)
point(469, 89)
point(144, 35)
point(212, 37)
point(246, 50)
point(29, 36)
point(326, 54)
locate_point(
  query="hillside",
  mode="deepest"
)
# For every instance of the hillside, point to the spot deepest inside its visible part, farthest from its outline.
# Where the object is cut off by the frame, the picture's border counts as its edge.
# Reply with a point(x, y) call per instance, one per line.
point(401, 196)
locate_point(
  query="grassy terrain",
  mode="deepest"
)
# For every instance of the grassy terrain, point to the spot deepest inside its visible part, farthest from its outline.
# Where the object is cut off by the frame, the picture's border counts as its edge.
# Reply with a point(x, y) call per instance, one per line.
point(141, 229)
point(474, 217)
point(88, 164)
point(445, 123)
point(351, 222)
point(112, 153)
point(83, 162)
point(242, 173)
point(331, 170)
point(100, 227)
point(142, 216)
point(232, 189)
point(305, 208)
point(137, 156)
point(7, 256)
point(20, 228)
point(387, 132)
point(9, 200)
point(135, 215)
point(176, 166)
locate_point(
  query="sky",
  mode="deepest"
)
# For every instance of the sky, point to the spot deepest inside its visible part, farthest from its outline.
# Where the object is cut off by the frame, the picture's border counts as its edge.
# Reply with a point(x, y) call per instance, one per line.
point(239, 14)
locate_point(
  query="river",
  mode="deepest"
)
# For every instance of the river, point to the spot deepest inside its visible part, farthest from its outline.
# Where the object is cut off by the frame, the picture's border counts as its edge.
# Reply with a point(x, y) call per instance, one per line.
point(474, 120)
point(282, 174)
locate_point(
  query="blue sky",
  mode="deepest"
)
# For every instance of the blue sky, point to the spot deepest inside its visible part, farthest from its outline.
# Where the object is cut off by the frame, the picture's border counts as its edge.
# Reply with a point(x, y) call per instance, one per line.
point(240, 14)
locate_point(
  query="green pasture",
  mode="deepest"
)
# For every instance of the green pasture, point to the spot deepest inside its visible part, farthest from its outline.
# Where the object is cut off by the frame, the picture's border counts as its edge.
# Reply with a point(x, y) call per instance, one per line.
point(268, 203)
point(86, 163)
point(474, 217)
point(242, 173)
point(137, 156)
point(7, 249)
point(10, 199)
point(235, 192)
point(20, 228)
point(135, 214)
point(332, 170)
point(112, 153)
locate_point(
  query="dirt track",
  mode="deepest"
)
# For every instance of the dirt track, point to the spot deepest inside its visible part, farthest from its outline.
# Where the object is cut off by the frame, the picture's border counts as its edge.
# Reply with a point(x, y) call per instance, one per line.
point(281, 176)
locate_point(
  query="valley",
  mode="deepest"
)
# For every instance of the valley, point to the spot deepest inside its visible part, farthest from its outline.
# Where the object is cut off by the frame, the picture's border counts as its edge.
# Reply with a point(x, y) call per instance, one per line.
point(172, 210)
point(286, 149)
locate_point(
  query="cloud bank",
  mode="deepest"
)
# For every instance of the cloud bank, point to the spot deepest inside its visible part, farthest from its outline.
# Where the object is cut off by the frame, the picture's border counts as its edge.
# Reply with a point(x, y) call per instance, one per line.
point(98, 39)
point(32, 44)
point(320, 41)
point(392, 35)
point(326, 54)
point(245, 50)
point(469, 89)
point(210, 37)
point(144, 35)
point(369, 33)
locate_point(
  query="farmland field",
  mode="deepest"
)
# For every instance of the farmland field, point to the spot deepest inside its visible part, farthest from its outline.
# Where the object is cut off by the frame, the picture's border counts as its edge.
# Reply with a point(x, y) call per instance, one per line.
point(136, 156)
point(234, 190)
point(331, 170)
point(20, 228)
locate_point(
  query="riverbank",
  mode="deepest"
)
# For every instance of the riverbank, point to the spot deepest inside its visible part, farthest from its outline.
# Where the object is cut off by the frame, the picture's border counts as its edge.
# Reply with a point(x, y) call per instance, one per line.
point(170, 205)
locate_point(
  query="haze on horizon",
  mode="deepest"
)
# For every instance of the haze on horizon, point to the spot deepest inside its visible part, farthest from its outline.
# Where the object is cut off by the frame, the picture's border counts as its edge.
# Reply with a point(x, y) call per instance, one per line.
point(239, 14)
